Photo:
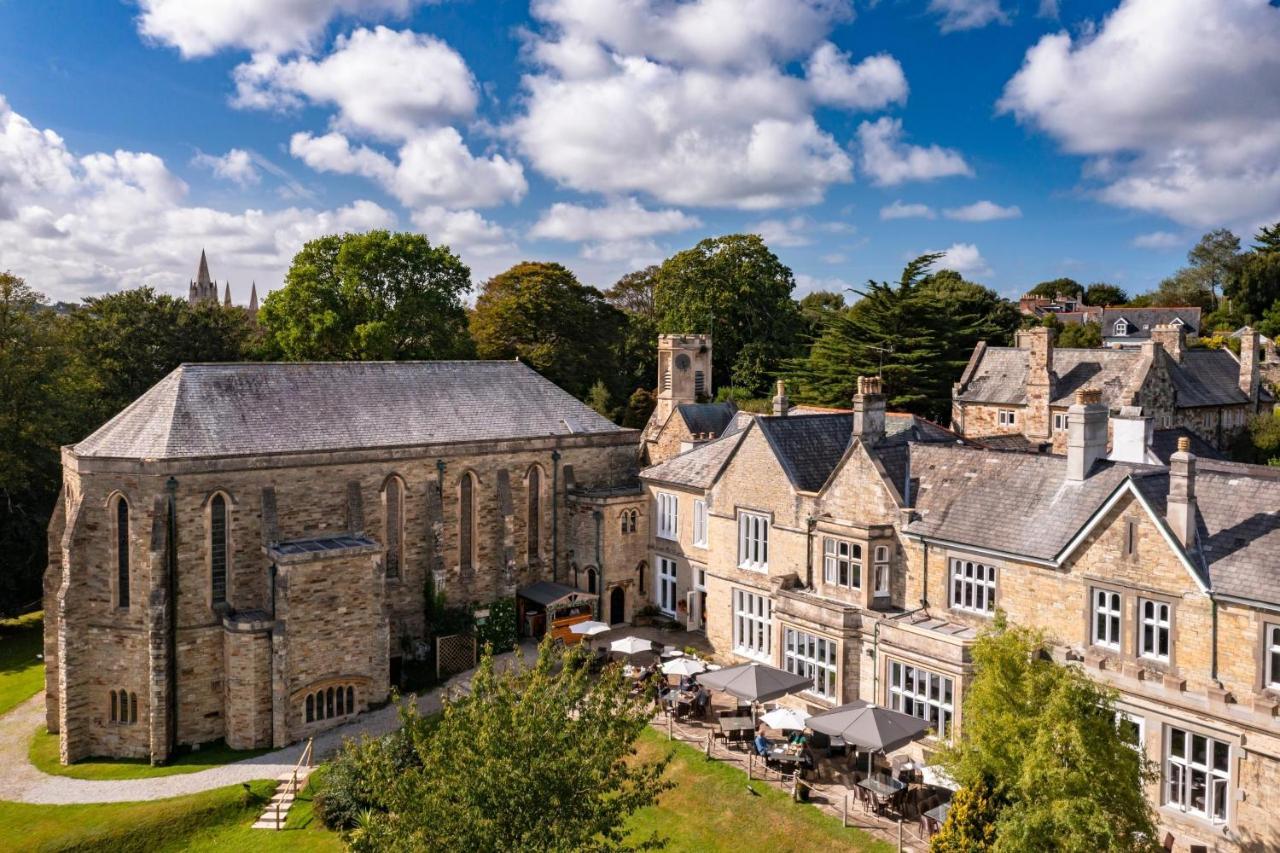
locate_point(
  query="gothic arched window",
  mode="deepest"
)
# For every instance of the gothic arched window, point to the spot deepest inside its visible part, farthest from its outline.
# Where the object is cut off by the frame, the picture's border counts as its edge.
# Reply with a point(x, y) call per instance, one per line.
point(351, 700)
point(115, 706)
point(328, 703)
point(122, 552)
point(466, 520)
point(393, 535)
point(535, 512)
point(218, 548)
point(311, 708)
point(591, 581)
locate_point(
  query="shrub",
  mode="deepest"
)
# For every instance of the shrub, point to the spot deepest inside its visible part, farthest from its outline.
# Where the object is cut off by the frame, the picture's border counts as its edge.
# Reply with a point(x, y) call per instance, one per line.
point(353, 783)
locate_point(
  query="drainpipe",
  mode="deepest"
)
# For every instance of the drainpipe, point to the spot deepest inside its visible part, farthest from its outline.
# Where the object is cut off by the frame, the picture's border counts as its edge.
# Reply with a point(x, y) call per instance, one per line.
point(1213, 650)
point(924, 589)
point(600, 587)
point(171, 642)
point(555, 515)
point(808, 564)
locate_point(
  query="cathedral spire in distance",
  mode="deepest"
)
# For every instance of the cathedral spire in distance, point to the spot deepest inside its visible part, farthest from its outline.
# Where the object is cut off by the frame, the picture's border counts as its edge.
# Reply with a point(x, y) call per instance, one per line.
point(226, 300)
point(253, 299)
point(202, 274)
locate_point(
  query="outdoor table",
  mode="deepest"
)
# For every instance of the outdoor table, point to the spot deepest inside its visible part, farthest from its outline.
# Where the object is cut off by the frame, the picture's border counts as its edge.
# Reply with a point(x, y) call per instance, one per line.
point(882, 788)
point(736, 724)
point(938, 814)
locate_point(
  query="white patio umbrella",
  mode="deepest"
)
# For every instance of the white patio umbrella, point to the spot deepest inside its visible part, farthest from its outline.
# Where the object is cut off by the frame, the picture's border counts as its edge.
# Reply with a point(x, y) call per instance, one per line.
point(939, 778)
point(589, 628)
point(784, 719)
point(683, 666)
point(631, 646)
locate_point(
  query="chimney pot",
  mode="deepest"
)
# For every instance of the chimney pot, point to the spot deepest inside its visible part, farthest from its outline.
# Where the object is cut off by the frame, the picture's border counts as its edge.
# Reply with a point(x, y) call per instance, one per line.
point(868, 410)
point(1184, 444)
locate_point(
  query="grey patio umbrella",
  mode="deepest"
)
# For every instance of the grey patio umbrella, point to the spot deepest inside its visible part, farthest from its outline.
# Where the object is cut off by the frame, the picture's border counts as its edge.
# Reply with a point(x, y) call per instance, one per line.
point(756, 682)
point(874, 728)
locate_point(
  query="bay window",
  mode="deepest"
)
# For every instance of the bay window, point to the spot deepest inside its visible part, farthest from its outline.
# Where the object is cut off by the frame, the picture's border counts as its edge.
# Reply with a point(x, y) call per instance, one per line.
point(841, 563)
point(811, 656)
point(922, 694)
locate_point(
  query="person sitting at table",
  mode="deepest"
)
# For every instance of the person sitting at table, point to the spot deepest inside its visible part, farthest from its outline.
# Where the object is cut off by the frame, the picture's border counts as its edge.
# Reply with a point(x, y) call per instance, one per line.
point(800, 738)
point(762, 743)
point(702, 700)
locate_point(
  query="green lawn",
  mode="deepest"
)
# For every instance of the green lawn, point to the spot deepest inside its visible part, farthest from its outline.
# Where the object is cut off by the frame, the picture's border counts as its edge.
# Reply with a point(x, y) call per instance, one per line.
point(216, 820)
point(44, 755)
point(712, 809)
point(21, 668)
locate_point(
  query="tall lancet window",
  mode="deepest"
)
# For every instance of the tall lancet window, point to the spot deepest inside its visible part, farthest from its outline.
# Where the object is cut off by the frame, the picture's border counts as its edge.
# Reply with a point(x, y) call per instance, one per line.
point(218, 549)
point(395, 526)
point(466, 521)
point(122, 552)
point(535, 512)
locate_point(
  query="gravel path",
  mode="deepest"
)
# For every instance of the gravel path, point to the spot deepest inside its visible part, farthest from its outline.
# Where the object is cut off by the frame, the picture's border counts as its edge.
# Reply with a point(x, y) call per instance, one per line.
point(22, 782)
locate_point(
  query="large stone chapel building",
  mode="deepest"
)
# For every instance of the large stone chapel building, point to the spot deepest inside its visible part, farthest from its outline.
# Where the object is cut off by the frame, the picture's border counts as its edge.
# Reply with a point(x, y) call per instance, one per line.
point(242, 552)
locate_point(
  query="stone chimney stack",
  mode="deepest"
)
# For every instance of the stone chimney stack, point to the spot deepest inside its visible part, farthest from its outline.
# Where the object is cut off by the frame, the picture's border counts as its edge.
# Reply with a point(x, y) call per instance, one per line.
point(780, 401)
point(1249, 372)
point(1182, 494)
point(868, 410)
point(1086, 433)
point(1172, 337)
point(1131, 435)
point(1039, 344)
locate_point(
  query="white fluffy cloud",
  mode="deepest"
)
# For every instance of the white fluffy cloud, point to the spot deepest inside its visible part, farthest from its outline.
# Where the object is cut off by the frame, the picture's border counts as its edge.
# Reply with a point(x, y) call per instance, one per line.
point(236, 166)
point(796, 230)
point(1158, 240)
point(968, 14)
point(619, 220)
point(889, 161)
point(982, 211)
point(383, 83)
point(965, 259)
point(203, 27)
point(874, 83)
point(80, 225)
point(1176, 102)
point(693, 103)
point(463, 229)
point(434, 168)
point(902, 210)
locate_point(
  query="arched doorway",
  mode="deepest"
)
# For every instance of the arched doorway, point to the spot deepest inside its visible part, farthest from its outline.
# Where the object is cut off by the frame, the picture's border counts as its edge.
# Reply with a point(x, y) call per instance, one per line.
point(591, 581)
point(617, 606)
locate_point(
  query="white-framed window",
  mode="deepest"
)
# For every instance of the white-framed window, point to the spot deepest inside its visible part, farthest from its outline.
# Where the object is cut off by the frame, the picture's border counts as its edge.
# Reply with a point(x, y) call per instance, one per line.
point(1197, 774)
point(752, 624)
point(841, 563)
point(1059, 421)
point(668, 516)
point(973, 587)
point(1133, 730)
point(699, 579)
point(922, 694)
point(1007, 417)
point(1271, 654)
point(1122, 329)
point(664, 584)
point(881, 564)
point(1154, 624)
point(812, 656)
point(700, 523)
point(1106, 618)
point(753, 541)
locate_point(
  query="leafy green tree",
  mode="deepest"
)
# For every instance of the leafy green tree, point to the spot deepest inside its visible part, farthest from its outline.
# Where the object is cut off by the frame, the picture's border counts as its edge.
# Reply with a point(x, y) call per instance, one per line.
point(1257, 284)
point(1260, 443)
point(541, 314)
point(1057, 287)
point(916, 335)
point(1214, 260)
point(970, 826)
point(1101, 293)
point(539, 758)
point(1268, 238)
point(1080, 335)
point(640, 406)
point(737, 290)
point(633, 295)
point(43, 392)
point(372, 296)
point(816, 308)
point(1044, 737)
point(598, 399)
point(1185, 287)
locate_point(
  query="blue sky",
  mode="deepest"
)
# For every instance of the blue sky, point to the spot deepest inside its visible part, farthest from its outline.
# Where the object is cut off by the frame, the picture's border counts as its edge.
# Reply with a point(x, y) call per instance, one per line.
point(1029, 139)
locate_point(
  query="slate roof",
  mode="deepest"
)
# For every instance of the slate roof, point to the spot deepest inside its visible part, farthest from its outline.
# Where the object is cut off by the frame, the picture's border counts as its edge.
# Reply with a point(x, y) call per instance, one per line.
point(960, 492)
point(1238, 526)
point(1164, 443)
point(1142, 320)
point(1206, 377)
point(707, 417)
point(204, 410)
point(696, 468)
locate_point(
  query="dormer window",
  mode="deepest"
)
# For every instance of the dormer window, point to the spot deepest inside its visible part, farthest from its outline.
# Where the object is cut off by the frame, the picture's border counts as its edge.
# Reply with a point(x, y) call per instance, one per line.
point(1177, 321)
point(1122, 328)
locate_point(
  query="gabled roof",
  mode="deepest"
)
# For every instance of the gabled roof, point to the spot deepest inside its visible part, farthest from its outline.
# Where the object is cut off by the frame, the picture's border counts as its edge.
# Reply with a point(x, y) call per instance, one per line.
point(1142, 320)
point(204, 410)
point(697, 468)
point(1209, 377)
point(701, 418)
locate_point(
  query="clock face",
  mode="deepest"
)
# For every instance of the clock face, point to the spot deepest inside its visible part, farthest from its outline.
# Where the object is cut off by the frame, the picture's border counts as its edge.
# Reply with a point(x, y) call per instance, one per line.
point(682, 362)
